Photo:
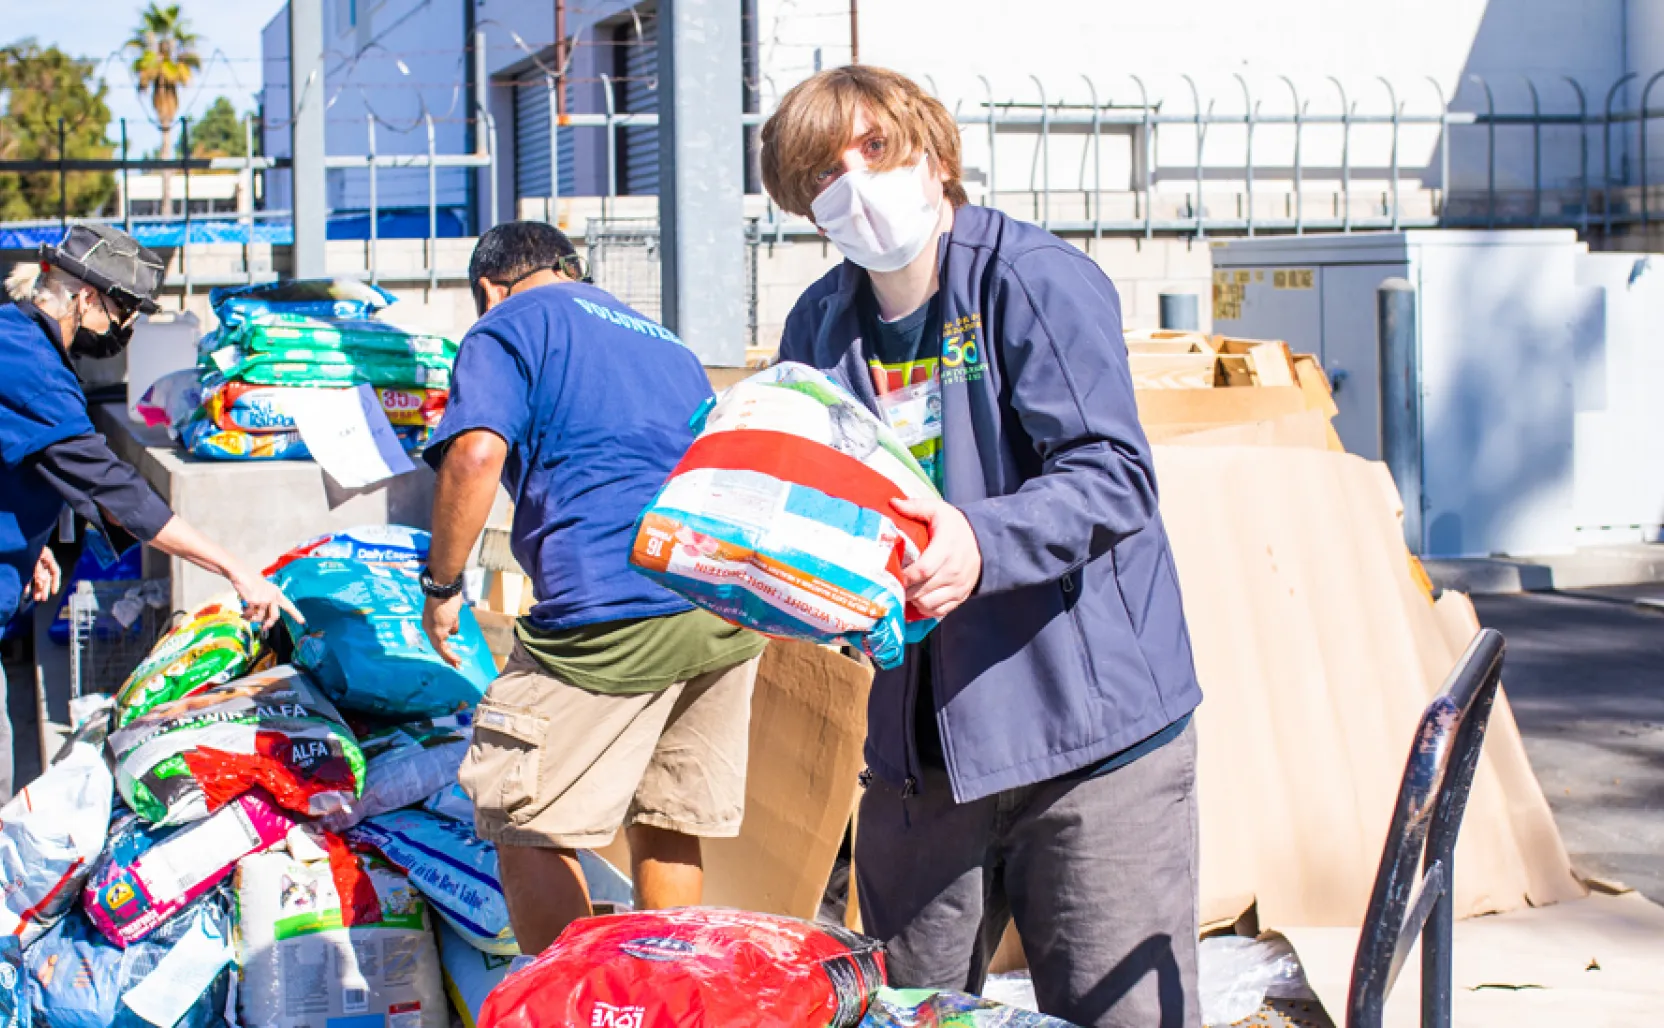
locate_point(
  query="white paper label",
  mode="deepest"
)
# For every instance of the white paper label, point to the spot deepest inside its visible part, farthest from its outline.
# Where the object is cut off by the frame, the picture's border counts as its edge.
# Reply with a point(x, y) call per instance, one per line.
point(173, 868)
point(914, 412)
point(225, 358)
point(170, 989)
point(349, 434)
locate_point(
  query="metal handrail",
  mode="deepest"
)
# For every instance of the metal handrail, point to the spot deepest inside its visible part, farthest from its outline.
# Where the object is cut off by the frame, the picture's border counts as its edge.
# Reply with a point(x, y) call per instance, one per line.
point(1412, 895)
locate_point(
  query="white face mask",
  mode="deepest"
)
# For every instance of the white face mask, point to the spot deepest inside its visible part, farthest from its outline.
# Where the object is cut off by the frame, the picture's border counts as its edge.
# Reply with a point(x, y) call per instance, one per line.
point(881, 220)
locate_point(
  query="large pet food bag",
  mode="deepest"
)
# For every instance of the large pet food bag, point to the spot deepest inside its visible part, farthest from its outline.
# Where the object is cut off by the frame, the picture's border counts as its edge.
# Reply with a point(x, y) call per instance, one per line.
point(14, 985)
point(272, 730)
point(405, 765)
point(470, 974)
point(778, 518)
point(696, 967)
point(927, 1008)
point(179, 976)
point(372, 544)
point(146, 875)
point(363, 639)
point(454, 869)
point(212, 646)
point(316, 297)
point(301, 968)
point(50, 834)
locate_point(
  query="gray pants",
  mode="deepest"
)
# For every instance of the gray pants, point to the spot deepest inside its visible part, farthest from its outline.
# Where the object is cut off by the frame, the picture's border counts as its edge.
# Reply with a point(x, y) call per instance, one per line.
point(1100, 876)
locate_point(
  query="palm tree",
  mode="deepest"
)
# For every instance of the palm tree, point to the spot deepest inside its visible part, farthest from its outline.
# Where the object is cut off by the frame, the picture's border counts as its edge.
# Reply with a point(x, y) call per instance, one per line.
point(164, 59)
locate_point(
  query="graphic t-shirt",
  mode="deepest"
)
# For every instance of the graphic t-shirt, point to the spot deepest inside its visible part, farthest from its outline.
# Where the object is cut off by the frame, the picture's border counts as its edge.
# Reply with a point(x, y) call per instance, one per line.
point(904, 357)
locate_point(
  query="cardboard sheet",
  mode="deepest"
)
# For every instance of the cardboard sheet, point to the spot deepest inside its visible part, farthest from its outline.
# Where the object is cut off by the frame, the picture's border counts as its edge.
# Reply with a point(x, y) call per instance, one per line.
point(1591, 962)
point(808, 723)
point(1317, 653)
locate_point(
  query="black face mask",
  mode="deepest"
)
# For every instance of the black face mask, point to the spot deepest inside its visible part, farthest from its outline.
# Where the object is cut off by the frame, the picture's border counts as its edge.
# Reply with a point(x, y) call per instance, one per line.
point(108, 343)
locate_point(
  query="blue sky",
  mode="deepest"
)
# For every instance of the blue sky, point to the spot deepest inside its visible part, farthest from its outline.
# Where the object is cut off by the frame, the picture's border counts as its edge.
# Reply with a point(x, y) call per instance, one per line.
point(97, 28)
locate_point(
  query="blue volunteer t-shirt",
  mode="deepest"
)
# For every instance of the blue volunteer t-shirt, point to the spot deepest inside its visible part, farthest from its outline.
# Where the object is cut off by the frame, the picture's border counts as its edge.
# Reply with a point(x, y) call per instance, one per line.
point(594, 401)
point(41, 403)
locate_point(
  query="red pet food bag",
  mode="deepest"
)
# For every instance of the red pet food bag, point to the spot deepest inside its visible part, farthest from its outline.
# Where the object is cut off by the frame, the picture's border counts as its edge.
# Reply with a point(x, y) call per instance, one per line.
point(697, 967)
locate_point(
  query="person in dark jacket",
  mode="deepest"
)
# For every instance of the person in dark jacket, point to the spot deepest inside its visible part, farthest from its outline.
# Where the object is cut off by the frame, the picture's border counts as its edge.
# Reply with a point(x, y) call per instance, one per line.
point(90, 289)
point(1033, 758)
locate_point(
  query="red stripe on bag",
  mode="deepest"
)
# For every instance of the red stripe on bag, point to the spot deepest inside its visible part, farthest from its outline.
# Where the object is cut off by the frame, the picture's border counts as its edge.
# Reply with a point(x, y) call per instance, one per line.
point(802, 462)
point(359, 902)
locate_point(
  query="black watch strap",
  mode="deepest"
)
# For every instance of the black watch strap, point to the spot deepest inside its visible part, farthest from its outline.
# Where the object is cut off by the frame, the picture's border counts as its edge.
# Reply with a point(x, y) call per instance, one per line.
point(437, 590)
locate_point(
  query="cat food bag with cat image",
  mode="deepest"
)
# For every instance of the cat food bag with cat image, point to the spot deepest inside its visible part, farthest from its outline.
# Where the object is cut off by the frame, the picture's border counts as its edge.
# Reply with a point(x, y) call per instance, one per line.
point(146, 875)
point(778, 518)
point(303, 968)
point(272, 730)
point(694, 967)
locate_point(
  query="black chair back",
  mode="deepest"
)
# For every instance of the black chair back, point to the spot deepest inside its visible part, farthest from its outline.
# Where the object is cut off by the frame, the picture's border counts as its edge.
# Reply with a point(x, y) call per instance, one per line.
point(1412, 894)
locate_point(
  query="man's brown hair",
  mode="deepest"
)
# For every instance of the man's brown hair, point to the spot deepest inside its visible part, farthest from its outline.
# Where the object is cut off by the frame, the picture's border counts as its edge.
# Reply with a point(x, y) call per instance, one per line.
point(809, 131)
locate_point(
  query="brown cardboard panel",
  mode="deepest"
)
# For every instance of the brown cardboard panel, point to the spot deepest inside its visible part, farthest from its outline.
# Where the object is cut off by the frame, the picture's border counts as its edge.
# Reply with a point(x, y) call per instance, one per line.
point(1172, 370)
point(498, 629)
point(1217, 406)
point(722, 378)
point(1308, 428)
point(1317, 652)
point(808, 724)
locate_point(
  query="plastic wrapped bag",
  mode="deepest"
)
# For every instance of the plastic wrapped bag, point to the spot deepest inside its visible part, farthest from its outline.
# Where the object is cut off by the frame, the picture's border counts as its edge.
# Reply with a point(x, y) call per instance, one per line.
point(324, 367)
point(697, 967)
point(363, 640)
point(211, 647)
point(170, 399)
point(147, 875)
point(451, 802)
point(280, 331)
point(372, 544)
point(470, 974)
point(303, 969)
point(50, 834)
point(453, 868)
point(203, 439)
point(261, 409)
point(14, 985)
point(778, 518)
point(928, 1008)
point(1235, 975)
point(343, 297)
point(406, 764)
point(272, 730)
point(177, 977)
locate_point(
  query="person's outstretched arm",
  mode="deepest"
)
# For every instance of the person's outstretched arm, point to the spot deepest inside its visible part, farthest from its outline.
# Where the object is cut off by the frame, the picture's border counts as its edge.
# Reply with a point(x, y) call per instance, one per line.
point(469, 471)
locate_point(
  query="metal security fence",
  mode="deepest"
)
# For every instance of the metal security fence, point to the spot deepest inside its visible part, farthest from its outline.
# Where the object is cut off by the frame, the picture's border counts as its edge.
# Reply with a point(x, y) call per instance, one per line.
point(624, 260)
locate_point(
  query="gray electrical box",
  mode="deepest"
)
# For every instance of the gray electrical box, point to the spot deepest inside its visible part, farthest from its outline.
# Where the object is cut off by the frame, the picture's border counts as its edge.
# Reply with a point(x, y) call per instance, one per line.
point(1502, 324)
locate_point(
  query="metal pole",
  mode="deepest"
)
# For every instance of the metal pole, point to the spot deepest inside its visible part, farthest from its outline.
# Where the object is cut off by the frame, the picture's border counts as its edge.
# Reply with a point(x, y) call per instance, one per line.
point(1097, 163)
point(375, 206)
point(1043, 157)
point(1180, 311)
point(307, 145)
point(433, 209)
point(1401, 399)
point(701, 152)
point(992, 132)
point(1583, 148)
point(1646, 94)
point(1444, 148)
point(481, 95)
point(1345, 157)
point(854, 33)
point(248, 198)
point(1606, 152)
point(1397, 112)
point(1299, 199)
point(1149, 156)
point(1490, 151)
point(1201, 135)
point(126, 188)
point(1536, 154)
point(63, 180)
point(555, 115)
point(185, 164)
point(491, 169)
point(1249, 109)
point(612, 145)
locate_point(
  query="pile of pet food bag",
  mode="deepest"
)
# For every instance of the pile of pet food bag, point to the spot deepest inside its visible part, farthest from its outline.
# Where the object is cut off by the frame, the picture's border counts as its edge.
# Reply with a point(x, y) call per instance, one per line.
point(269, 831)
point(308, 334)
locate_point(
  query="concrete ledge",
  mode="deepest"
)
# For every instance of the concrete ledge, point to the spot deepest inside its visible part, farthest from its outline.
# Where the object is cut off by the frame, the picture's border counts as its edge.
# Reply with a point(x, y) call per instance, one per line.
point(1591, 567)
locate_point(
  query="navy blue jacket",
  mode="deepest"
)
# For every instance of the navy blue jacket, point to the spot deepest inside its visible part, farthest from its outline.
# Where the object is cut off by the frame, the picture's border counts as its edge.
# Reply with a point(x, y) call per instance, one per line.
point(1074, 645)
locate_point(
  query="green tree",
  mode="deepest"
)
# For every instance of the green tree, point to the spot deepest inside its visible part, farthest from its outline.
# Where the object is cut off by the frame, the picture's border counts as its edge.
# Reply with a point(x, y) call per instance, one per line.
point(219, 132)
point(38, 87)
point(164, 61)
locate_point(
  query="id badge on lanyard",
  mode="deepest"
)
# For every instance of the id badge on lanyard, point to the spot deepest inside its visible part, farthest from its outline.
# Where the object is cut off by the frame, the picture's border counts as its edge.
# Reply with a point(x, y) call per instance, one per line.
point(914, 412)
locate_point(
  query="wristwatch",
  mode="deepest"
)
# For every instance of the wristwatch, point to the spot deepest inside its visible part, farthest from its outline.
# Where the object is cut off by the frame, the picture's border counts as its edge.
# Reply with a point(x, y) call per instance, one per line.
point(438, 591)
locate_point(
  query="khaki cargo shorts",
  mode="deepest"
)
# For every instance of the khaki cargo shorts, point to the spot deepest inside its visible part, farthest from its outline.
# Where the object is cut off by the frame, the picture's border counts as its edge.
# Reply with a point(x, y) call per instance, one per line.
point(556, 766)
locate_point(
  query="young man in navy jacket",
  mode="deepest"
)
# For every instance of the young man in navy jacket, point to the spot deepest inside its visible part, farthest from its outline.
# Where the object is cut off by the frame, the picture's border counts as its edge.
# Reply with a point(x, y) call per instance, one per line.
point(1033, 759)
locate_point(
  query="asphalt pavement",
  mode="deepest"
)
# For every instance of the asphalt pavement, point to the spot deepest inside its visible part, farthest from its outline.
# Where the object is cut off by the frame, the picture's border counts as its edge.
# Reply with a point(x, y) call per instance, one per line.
point(1584, 671)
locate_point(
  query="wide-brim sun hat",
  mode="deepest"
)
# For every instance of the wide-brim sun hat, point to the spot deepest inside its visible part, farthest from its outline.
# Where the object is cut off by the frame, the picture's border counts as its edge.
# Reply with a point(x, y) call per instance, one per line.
point(112, 262)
